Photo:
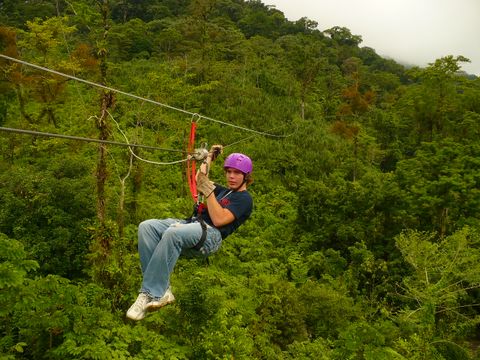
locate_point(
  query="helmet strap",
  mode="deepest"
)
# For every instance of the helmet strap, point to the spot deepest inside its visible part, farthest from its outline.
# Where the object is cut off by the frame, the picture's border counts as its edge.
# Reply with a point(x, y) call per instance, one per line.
point(245, 178)
point(243, 182)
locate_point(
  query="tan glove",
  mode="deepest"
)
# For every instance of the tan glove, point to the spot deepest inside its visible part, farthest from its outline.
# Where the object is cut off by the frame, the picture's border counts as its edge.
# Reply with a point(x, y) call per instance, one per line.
point(215, 150)
point(204, 185)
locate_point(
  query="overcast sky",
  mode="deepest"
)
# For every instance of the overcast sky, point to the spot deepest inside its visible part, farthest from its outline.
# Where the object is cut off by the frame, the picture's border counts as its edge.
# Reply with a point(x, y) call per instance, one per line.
point(416, 32)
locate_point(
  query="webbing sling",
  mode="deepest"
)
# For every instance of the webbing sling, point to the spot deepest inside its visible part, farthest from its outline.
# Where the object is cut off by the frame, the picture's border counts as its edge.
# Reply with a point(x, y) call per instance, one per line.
point(191, 173)
point(192, 183)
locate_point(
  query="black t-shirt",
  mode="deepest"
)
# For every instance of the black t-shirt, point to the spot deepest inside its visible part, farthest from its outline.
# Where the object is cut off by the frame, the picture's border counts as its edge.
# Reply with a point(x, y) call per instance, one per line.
point(240, 203)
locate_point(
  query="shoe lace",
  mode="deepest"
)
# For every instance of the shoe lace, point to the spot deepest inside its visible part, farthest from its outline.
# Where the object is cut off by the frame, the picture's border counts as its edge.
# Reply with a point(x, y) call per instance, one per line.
point(140, 303)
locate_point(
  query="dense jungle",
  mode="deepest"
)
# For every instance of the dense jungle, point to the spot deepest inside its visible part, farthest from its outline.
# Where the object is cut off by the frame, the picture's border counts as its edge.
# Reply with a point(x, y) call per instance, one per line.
point(364, 242)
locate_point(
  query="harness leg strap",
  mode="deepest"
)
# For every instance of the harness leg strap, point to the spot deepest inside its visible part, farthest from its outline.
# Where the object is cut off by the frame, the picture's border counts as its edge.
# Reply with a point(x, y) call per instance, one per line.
point(200, 243)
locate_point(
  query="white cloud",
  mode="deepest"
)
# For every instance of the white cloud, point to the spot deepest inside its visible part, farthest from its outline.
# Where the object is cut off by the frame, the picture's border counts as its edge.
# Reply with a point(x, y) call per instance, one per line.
point(413, 31)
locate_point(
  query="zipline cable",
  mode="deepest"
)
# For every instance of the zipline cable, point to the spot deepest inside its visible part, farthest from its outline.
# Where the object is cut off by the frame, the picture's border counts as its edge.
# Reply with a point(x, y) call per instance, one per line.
point(138, 157)
point(38, 67)
point(254, 135)
point(69, 137)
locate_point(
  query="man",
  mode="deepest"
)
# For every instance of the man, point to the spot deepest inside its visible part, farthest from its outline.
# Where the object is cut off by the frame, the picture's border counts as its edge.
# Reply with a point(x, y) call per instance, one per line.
point(161, 242)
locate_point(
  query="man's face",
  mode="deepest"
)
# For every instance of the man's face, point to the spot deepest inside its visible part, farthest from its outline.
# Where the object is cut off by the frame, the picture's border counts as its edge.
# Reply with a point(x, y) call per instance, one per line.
point(234, 178)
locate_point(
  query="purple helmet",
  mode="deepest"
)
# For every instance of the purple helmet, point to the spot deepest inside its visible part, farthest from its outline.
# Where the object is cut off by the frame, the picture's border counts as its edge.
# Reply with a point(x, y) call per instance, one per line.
point(240, 162)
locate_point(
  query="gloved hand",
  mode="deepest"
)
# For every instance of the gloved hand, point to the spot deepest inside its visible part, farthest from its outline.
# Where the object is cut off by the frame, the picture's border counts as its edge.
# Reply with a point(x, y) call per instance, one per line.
point(204, 185)
point(215, 150)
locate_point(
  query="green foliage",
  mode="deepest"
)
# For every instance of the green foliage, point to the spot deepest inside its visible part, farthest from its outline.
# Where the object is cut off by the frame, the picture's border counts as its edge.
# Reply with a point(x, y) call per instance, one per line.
point(442, 175)
point(443, 270)
point(48, 210)
point(317, 349)
point(259, 19)
point(132, 39)
point(438, 304)
point(215, 311)
point(14, 268)
point(343, 36)
point(16, 13)
point(328, 306)
point(362, 340)
point(342, 212)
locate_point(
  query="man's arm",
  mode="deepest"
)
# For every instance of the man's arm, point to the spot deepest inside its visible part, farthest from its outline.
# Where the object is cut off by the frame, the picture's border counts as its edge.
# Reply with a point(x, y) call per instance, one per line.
point(205, 166)
point(219, 215)
point(215, 150)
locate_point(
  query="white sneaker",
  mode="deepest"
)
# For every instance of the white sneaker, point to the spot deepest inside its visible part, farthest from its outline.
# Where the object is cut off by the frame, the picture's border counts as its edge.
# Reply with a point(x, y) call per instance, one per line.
point(166, 299)
point(139, 308)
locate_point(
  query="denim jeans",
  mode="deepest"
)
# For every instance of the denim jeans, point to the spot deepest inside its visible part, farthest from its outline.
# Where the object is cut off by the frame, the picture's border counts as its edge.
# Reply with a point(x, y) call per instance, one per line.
point(160, 243)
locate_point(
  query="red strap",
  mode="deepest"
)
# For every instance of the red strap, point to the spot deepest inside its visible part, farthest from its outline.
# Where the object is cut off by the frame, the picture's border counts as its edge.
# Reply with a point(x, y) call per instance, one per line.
point(191, 173)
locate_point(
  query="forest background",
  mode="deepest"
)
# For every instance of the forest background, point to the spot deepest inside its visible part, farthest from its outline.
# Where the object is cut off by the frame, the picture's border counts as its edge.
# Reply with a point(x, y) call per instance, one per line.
point(364, 242)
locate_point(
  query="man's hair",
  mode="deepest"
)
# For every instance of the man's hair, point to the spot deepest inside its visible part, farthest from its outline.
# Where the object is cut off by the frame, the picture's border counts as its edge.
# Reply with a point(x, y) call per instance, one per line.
point(249, 179)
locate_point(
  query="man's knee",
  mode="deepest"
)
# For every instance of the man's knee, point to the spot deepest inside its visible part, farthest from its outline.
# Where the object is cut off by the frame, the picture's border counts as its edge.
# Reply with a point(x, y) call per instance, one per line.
point(145, 226)
point(176, 235)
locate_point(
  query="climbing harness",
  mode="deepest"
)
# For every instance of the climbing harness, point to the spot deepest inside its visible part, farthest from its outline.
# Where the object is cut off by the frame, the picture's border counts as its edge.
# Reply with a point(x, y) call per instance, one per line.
point(197, 216)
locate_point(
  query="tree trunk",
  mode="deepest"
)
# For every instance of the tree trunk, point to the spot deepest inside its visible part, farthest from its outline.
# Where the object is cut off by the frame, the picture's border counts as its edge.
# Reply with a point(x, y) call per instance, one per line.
point(107, 100)
point(121, 201)
point(21, 102)
point(101, 172)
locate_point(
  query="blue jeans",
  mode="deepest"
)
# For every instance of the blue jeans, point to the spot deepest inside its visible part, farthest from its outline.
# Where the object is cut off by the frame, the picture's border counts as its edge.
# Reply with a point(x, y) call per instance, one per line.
point(160, 243)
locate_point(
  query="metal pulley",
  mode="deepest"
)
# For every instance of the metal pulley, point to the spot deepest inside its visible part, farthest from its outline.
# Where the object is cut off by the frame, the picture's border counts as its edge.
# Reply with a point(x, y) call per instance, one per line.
point(201, 154)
